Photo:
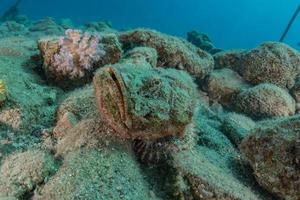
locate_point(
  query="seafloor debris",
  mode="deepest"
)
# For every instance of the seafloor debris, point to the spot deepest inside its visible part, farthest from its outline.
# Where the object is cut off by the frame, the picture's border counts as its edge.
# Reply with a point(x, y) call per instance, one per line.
point(141, 102)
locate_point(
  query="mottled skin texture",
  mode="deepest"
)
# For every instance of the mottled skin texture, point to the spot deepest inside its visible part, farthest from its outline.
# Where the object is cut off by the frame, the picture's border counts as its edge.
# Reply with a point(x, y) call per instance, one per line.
point(142, 102)
point(274, 154)
point(265, 100)
point(172, 52)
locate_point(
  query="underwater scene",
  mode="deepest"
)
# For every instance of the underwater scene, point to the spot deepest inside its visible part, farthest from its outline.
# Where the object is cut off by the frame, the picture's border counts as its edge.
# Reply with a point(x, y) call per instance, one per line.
point(149, 100)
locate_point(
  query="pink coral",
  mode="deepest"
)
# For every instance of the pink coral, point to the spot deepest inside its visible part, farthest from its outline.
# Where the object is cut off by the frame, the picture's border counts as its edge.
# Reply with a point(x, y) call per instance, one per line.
point(78, 53)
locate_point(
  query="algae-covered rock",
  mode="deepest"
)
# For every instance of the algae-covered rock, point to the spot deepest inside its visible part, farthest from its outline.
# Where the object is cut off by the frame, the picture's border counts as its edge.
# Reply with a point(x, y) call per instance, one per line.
point(97, 174)
point(265, 100)
point(271, 62)
point(213, 168)
point(140, 55)
point(273, 150)
point(46, 26)
point(236, 127)
point(172, 52)
point(3, 92)
point(101, 26)
point(21, 173)
point(145, 103)
point(295, 91)
point(67, 121)
point(200, 40)
point(30, 103)
point(89, 134)
point(81, 102)
point(231, 59)
point(223, 85)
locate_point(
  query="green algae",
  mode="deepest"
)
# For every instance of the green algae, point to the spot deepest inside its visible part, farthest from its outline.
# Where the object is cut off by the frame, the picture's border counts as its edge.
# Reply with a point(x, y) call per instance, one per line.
point(100, 175)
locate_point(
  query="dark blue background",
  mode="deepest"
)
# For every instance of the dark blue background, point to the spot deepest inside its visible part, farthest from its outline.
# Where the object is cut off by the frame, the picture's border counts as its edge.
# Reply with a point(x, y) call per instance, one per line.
point(230, 23)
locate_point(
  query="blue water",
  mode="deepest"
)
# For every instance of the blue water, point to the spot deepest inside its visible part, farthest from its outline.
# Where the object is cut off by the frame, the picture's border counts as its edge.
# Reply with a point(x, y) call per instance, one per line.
point(229, 23)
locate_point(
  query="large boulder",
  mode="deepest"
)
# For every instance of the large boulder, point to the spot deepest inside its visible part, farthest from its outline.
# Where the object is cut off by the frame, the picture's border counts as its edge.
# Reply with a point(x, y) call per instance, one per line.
point(271, 62)
point(97, 174)
point(231, 59)
point(212, 168)
point(273, 150)
point(21, 173)
point(172, 52)
point(265, 100)
point(224, 84)
point(236, 127)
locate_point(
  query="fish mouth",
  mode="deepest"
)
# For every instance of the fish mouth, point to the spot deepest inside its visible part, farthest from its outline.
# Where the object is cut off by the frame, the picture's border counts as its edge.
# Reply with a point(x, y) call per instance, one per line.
point(112, 99)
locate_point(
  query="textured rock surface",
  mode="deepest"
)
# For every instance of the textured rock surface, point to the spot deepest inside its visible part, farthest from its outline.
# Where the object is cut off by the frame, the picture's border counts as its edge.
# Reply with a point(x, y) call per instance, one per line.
point(46, 26)
point(172, 52)
point(271, 62)
point(236, 127)
point(274, 154)
point(3, 92)
point(94, 163)
point(213, 169)
point(200, 40)
point(81, 102)
point(30, 103)
point(265, 100)
point(231, 59)
point(21, 173)
point(295, 91)
point(97, 176)
point(223, 85)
